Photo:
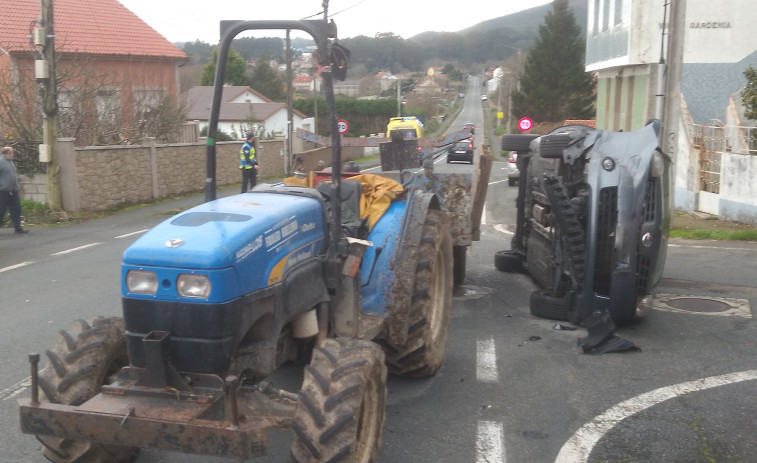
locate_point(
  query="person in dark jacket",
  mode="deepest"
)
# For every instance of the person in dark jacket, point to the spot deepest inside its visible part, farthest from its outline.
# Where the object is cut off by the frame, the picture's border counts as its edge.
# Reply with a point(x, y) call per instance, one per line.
point(248, 163)
point(9, 197)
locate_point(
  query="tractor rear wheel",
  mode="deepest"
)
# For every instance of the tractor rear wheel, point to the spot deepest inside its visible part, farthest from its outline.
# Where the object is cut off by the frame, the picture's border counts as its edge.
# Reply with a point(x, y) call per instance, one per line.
point(342, 400)
point(78, 366)
point(423, 353)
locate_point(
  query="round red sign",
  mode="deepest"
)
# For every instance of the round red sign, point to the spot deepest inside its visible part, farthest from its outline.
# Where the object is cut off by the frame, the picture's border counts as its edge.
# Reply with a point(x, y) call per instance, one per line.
point(525, 124)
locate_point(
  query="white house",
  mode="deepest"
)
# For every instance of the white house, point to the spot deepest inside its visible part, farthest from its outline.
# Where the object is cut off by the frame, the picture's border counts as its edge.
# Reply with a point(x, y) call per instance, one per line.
point(242, 109)
point(683, 62)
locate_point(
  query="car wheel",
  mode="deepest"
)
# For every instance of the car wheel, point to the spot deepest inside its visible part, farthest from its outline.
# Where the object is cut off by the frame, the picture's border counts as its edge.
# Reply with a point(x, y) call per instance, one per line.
point(544, 305)
point(552, 146)
point(517, 142)
point(506, 261)
point(511, 181)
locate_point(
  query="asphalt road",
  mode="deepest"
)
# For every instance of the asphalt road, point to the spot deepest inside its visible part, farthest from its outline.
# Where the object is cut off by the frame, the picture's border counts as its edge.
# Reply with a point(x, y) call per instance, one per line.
point(513, 389)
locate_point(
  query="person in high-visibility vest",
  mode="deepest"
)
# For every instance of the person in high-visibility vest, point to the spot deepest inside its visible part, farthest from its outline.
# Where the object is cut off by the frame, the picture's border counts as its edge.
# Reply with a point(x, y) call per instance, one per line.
point(248, 163)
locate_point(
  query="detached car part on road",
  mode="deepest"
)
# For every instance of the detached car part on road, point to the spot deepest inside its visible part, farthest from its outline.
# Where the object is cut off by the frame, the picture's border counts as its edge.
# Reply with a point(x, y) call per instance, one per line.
point(593, 216)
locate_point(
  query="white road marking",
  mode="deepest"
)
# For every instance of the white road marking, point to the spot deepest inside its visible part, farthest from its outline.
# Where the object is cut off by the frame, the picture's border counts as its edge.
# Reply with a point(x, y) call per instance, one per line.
point(578, 448)
point(131, 234)
point(490, 442)
point(75, 249)
point(483, 215)
point(497, 181)
point(13, 267)
point(16, 389)
point(502, 228)
point(486, 361)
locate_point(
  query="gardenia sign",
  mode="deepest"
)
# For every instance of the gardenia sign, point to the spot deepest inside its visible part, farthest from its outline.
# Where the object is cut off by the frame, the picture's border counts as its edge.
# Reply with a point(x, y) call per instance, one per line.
point(710, 25)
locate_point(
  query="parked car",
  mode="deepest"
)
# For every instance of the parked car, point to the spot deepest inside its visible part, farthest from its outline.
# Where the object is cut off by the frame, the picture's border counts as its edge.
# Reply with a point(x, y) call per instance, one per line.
point(461, 151)
point(469, 127)
point(593, 216)
point(484, 97)
point(512, 168)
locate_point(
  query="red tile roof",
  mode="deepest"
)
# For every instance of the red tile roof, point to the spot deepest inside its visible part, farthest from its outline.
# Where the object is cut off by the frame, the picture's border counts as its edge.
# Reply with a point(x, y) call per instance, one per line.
point(587, 122)
point(100, 27)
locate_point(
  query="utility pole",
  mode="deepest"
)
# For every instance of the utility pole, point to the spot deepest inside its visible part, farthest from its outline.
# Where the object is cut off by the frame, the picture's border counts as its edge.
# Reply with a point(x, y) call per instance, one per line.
point(399, 103)
point(45, 73)
point(290, 116)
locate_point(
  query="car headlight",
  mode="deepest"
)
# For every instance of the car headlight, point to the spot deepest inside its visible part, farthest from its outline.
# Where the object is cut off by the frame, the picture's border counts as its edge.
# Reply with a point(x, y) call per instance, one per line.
point(658, 164)
point(190, 285)
point(142, 281)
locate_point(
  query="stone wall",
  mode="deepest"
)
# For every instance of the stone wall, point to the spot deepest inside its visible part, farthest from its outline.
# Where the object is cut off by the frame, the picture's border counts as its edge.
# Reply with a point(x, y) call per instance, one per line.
point(102, 178)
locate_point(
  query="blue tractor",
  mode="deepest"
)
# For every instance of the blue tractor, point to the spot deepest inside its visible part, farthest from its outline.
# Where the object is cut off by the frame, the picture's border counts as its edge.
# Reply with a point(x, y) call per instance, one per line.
point(220, 296)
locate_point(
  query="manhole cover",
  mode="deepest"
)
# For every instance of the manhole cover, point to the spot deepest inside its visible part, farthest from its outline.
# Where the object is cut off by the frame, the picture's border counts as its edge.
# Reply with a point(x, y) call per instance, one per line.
point(696, 304)
point(704, 305)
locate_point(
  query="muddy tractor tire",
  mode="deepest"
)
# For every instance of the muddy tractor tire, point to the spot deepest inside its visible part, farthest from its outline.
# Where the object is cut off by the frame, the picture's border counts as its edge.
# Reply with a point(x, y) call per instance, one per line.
point(342, 404)
point(78, 366)
point(458, 258)
point(423, 353)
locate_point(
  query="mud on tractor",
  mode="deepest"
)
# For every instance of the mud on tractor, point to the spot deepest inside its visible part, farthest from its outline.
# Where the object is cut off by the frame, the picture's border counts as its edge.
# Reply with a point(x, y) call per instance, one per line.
point(220, 296)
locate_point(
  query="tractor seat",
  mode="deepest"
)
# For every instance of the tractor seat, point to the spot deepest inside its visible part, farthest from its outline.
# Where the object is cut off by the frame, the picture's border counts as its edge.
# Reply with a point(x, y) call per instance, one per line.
point(351, 192)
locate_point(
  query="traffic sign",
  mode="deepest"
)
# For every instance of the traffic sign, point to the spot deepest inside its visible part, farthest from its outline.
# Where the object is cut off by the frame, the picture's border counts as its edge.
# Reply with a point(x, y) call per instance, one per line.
point(343, 126)
point(525, 124)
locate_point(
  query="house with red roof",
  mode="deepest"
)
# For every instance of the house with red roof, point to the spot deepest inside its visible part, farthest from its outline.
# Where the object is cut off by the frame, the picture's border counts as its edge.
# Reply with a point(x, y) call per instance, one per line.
point(242, 109)
point(112, 68)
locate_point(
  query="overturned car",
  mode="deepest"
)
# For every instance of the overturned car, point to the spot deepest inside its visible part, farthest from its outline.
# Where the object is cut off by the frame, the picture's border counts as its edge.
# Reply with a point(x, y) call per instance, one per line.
point(593, 216)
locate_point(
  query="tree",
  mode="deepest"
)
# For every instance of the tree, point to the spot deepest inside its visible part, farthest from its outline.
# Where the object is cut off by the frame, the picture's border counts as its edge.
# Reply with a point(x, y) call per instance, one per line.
point(235, 69)
point(553, 84)
point(749, 93)
point(267, 80)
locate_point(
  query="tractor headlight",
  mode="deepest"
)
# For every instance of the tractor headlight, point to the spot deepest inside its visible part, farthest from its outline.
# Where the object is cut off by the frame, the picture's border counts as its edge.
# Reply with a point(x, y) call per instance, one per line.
point(141, 281)
point(191, 285)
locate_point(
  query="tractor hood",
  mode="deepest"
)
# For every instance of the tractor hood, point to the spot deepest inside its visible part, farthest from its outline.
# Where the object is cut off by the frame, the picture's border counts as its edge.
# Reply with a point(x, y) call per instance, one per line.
point(228, 232)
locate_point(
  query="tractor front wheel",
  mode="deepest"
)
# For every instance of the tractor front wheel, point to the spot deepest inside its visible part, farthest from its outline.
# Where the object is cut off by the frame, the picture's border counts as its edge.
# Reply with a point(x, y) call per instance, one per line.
point(78, 366)
point(342, 400)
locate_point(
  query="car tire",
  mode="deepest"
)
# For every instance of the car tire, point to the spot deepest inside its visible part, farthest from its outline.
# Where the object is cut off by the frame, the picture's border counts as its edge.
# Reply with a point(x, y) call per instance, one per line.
point(506, 261)
point(511, 181)
point(552, 146)
point(517, 142)
point(544, 305)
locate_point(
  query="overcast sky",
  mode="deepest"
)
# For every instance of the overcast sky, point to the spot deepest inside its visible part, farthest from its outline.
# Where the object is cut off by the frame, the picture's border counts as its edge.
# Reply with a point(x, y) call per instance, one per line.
point(190, 20)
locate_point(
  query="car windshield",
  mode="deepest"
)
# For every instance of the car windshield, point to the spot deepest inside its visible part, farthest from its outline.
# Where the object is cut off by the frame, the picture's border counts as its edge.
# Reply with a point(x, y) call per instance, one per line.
point(462, 145)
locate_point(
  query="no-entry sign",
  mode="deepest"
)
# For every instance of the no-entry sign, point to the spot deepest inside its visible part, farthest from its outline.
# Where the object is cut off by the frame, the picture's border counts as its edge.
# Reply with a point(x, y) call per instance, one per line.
point(525, 124)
